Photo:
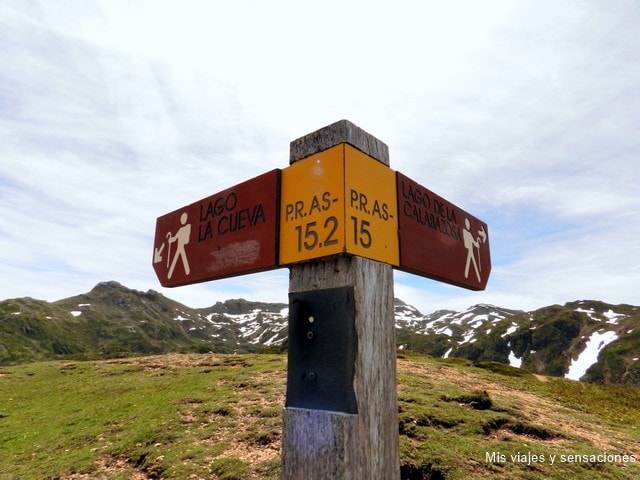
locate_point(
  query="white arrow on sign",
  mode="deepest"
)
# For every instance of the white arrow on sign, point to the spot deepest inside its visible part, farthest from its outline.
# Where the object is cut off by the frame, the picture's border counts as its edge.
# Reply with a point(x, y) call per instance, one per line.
point(157, 254)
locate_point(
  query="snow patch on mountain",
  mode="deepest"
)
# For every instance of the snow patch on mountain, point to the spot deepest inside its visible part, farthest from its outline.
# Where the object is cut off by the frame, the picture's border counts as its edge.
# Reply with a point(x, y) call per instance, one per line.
point(513, 360)
point(589, 356)
point(445, 331)
point(510, 330)
point(469, 337)
point(613, 317)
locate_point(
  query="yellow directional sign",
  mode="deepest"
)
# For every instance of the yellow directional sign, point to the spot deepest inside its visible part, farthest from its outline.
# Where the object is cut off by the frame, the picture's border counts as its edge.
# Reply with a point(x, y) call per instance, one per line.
point(312, 207)
point(371, 216)
point(338, 201)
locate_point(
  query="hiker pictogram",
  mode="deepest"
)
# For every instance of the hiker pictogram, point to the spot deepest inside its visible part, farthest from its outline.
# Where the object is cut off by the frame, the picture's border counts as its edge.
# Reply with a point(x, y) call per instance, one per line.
point(472, 244)
point(181, 238)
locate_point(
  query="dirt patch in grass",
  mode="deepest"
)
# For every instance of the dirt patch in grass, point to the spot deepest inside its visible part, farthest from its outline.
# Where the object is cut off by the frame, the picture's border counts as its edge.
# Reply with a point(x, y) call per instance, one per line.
point(170, 361)
point(255, 453)
point(257, 438)
point(250, 428)
point(109, 467)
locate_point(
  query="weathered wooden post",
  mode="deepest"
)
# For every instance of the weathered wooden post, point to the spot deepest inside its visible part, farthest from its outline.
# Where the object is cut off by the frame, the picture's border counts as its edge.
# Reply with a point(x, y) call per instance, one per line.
point(341, 417)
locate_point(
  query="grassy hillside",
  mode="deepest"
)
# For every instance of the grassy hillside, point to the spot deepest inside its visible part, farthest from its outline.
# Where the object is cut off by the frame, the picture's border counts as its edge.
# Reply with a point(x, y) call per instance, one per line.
point(110, 321)
point(219, 417)
point(113, 321)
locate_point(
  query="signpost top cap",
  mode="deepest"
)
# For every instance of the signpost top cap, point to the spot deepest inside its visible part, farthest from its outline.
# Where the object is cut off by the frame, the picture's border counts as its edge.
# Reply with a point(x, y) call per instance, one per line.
point(342, 131)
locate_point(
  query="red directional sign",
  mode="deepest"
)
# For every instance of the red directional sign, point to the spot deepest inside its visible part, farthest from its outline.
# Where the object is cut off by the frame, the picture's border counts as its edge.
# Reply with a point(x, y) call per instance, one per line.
point(440, 240)
point(230, 233)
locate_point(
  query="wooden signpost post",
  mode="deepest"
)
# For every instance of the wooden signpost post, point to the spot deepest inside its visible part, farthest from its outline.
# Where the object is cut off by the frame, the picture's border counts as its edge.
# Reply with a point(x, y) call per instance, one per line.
point(360, 439)
point(341, 220)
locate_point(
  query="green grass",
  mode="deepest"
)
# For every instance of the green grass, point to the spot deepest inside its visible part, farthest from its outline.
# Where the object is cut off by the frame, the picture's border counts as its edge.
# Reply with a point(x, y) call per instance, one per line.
point(454, 416)
point(219, 417)
point(161, 415)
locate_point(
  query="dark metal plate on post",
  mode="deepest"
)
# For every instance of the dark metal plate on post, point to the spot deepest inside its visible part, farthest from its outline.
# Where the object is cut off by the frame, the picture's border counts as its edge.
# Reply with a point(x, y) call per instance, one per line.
point(322, 350)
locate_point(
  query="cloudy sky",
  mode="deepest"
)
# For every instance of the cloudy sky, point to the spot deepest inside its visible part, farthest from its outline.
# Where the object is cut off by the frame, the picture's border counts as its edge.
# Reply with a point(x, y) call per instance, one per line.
point(524, 113)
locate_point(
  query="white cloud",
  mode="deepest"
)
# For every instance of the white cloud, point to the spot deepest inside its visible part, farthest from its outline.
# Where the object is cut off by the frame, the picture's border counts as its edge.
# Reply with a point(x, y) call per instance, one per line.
point(524, 114)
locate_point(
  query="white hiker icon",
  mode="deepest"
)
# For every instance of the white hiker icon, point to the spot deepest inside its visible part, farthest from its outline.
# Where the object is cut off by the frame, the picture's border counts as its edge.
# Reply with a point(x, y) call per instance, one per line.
point(471, 244)
point(182, 238)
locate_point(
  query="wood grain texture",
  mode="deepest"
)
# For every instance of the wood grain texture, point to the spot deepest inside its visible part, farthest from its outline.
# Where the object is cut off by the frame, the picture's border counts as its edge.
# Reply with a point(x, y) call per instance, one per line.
point(342, 131)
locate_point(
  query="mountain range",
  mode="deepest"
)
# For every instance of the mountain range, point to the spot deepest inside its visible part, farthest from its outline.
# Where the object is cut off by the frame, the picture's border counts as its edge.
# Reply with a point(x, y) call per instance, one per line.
point(583, 340)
